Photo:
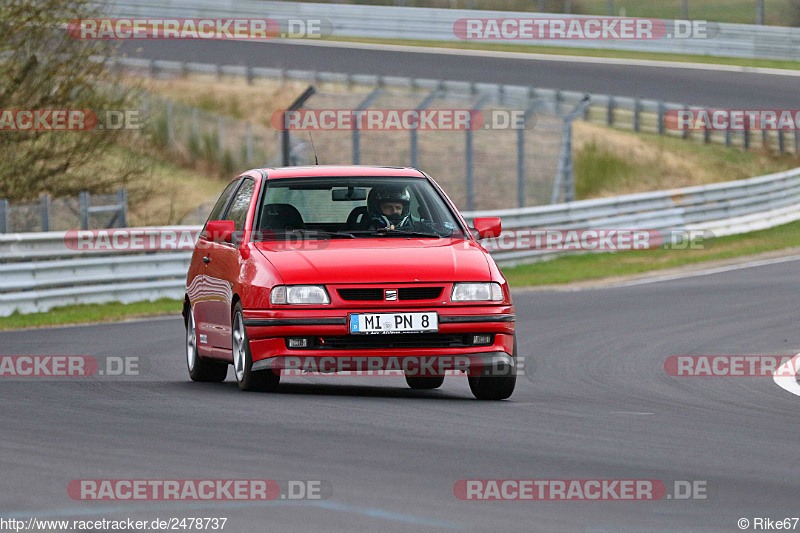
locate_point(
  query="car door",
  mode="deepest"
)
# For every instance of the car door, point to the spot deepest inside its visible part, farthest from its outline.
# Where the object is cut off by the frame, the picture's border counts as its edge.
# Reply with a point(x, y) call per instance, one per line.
point(198, 287)
point(224, 266)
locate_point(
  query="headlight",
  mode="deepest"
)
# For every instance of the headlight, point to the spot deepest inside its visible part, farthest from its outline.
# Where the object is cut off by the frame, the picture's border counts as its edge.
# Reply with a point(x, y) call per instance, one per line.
point(299, 294)
point(477, 292)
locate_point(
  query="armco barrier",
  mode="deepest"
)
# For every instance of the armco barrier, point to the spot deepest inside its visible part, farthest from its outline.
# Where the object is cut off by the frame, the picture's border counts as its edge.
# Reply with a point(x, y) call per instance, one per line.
point(39, 271)
point(430, 24)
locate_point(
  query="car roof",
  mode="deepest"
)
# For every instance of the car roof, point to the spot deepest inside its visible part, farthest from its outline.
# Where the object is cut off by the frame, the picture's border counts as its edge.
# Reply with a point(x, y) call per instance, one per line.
point(321, 171)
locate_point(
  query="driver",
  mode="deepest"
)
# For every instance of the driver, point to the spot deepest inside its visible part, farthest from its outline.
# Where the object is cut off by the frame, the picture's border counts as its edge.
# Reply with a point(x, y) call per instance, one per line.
point(388, 207)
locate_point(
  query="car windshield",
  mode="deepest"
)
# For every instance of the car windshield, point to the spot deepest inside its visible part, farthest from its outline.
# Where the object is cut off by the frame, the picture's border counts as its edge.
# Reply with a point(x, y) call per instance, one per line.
point(353, 208)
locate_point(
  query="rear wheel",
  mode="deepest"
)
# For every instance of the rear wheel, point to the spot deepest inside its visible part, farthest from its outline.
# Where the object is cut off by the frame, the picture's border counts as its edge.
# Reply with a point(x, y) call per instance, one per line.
point(248, 380)
point(422, 383)
point(490, 386)
point(200, 369)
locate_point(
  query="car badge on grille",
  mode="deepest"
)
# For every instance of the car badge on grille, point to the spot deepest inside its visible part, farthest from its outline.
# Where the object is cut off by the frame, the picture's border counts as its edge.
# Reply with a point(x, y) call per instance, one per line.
point(391, 295)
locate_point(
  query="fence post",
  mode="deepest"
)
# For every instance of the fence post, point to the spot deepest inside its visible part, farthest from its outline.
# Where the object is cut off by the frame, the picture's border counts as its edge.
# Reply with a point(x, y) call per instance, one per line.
point(760, 12)
point(220, 132)
point(728, 140)
point(686, 132)
point(610, 8)
point(44, 202)
point(796, 143)
point(764, 139)
point(249, 143)
point(684, 9)
point(661, 112)
point(414, 148)
point(637, 119)
point(122, 198)
point(610, 111)
point(746, 137)
point(170, 132)
point(4, 214)
point(586, 112)
point(84, 204)
point(781, 142)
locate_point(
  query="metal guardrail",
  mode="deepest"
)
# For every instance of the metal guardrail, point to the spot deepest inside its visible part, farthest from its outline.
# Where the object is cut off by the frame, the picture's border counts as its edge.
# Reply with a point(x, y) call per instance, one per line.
point(28, 285)
point(430, 24)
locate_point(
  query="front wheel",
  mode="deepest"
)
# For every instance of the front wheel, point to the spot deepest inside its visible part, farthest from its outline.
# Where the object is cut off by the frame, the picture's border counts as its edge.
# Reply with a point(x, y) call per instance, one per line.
point(248, 380)
point(200, 369)
point(492, 387)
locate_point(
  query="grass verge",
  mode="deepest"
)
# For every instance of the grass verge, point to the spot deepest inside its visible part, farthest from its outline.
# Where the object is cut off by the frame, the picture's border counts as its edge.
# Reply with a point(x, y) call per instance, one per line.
point(91, 313)
point(595, 266)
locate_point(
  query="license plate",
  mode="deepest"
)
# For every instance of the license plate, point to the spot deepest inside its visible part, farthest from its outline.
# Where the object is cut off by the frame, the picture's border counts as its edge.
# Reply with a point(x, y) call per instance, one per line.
point(393, 322)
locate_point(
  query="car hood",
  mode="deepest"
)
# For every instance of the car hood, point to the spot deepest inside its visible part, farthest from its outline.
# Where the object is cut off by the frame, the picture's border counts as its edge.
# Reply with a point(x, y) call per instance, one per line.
point(377, 260)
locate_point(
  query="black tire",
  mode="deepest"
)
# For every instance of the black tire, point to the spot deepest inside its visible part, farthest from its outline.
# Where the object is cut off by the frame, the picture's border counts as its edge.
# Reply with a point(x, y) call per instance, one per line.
point(248, 380)
point(489, 387)
point(200, 369)
point(426, 382)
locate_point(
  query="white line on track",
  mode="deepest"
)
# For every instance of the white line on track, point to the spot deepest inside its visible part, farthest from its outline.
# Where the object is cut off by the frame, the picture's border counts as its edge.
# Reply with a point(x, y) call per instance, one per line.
point(784, 379)
point(707, 272)
point(543, 57)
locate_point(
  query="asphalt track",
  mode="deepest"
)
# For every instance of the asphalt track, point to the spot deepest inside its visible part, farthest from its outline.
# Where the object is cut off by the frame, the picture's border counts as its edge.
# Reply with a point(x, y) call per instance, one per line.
point(692, 86)
point(599, 405)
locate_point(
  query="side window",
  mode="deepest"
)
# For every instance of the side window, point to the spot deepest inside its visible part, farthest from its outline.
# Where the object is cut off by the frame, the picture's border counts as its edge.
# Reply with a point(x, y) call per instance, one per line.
point(241, 202)
point(216, 212)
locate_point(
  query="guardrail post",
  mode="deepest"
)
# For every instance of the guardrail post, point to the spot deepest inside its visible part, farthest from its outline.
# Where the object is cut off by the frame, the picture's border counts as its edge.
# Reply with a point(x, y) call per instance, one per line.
point(4, 214)
point(83, 200)
point(706, 135)
point(781, 142)
point(122, 199)
point(249, 75)
point(661, 113)
point(610, 111)
point(764, 140)
point(637, 109)
point(746, 134)
point(728, 140)
point(219, 72)
point(559, 99)
point(44, 202)
point(153, 71)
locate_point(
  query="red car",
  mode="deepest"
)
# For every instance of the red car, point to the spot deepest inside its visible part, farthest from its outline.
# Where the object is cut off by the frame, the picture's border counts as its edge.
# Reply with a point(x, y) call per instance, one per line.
point(340, 268)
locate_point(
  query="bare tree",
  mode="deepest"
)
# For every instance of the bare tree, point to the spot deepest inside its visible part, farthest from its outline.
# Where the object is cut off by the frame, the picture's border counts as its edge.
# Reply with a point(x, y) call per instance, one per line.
point(44, 68)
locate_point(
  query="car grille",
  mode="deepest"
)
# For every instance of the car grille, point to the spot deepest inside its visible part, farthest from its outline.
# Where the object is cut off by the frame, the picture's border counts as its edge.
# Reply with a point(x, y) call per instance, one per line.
point(403, 340)
point(376, 295)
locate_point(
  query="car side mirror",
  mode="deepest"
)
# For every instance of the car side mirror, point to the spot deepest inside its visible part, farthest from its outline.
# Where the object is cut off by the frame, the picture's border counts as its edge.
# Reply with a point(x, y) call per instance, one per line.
point(220, 230)
point(487, 227)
